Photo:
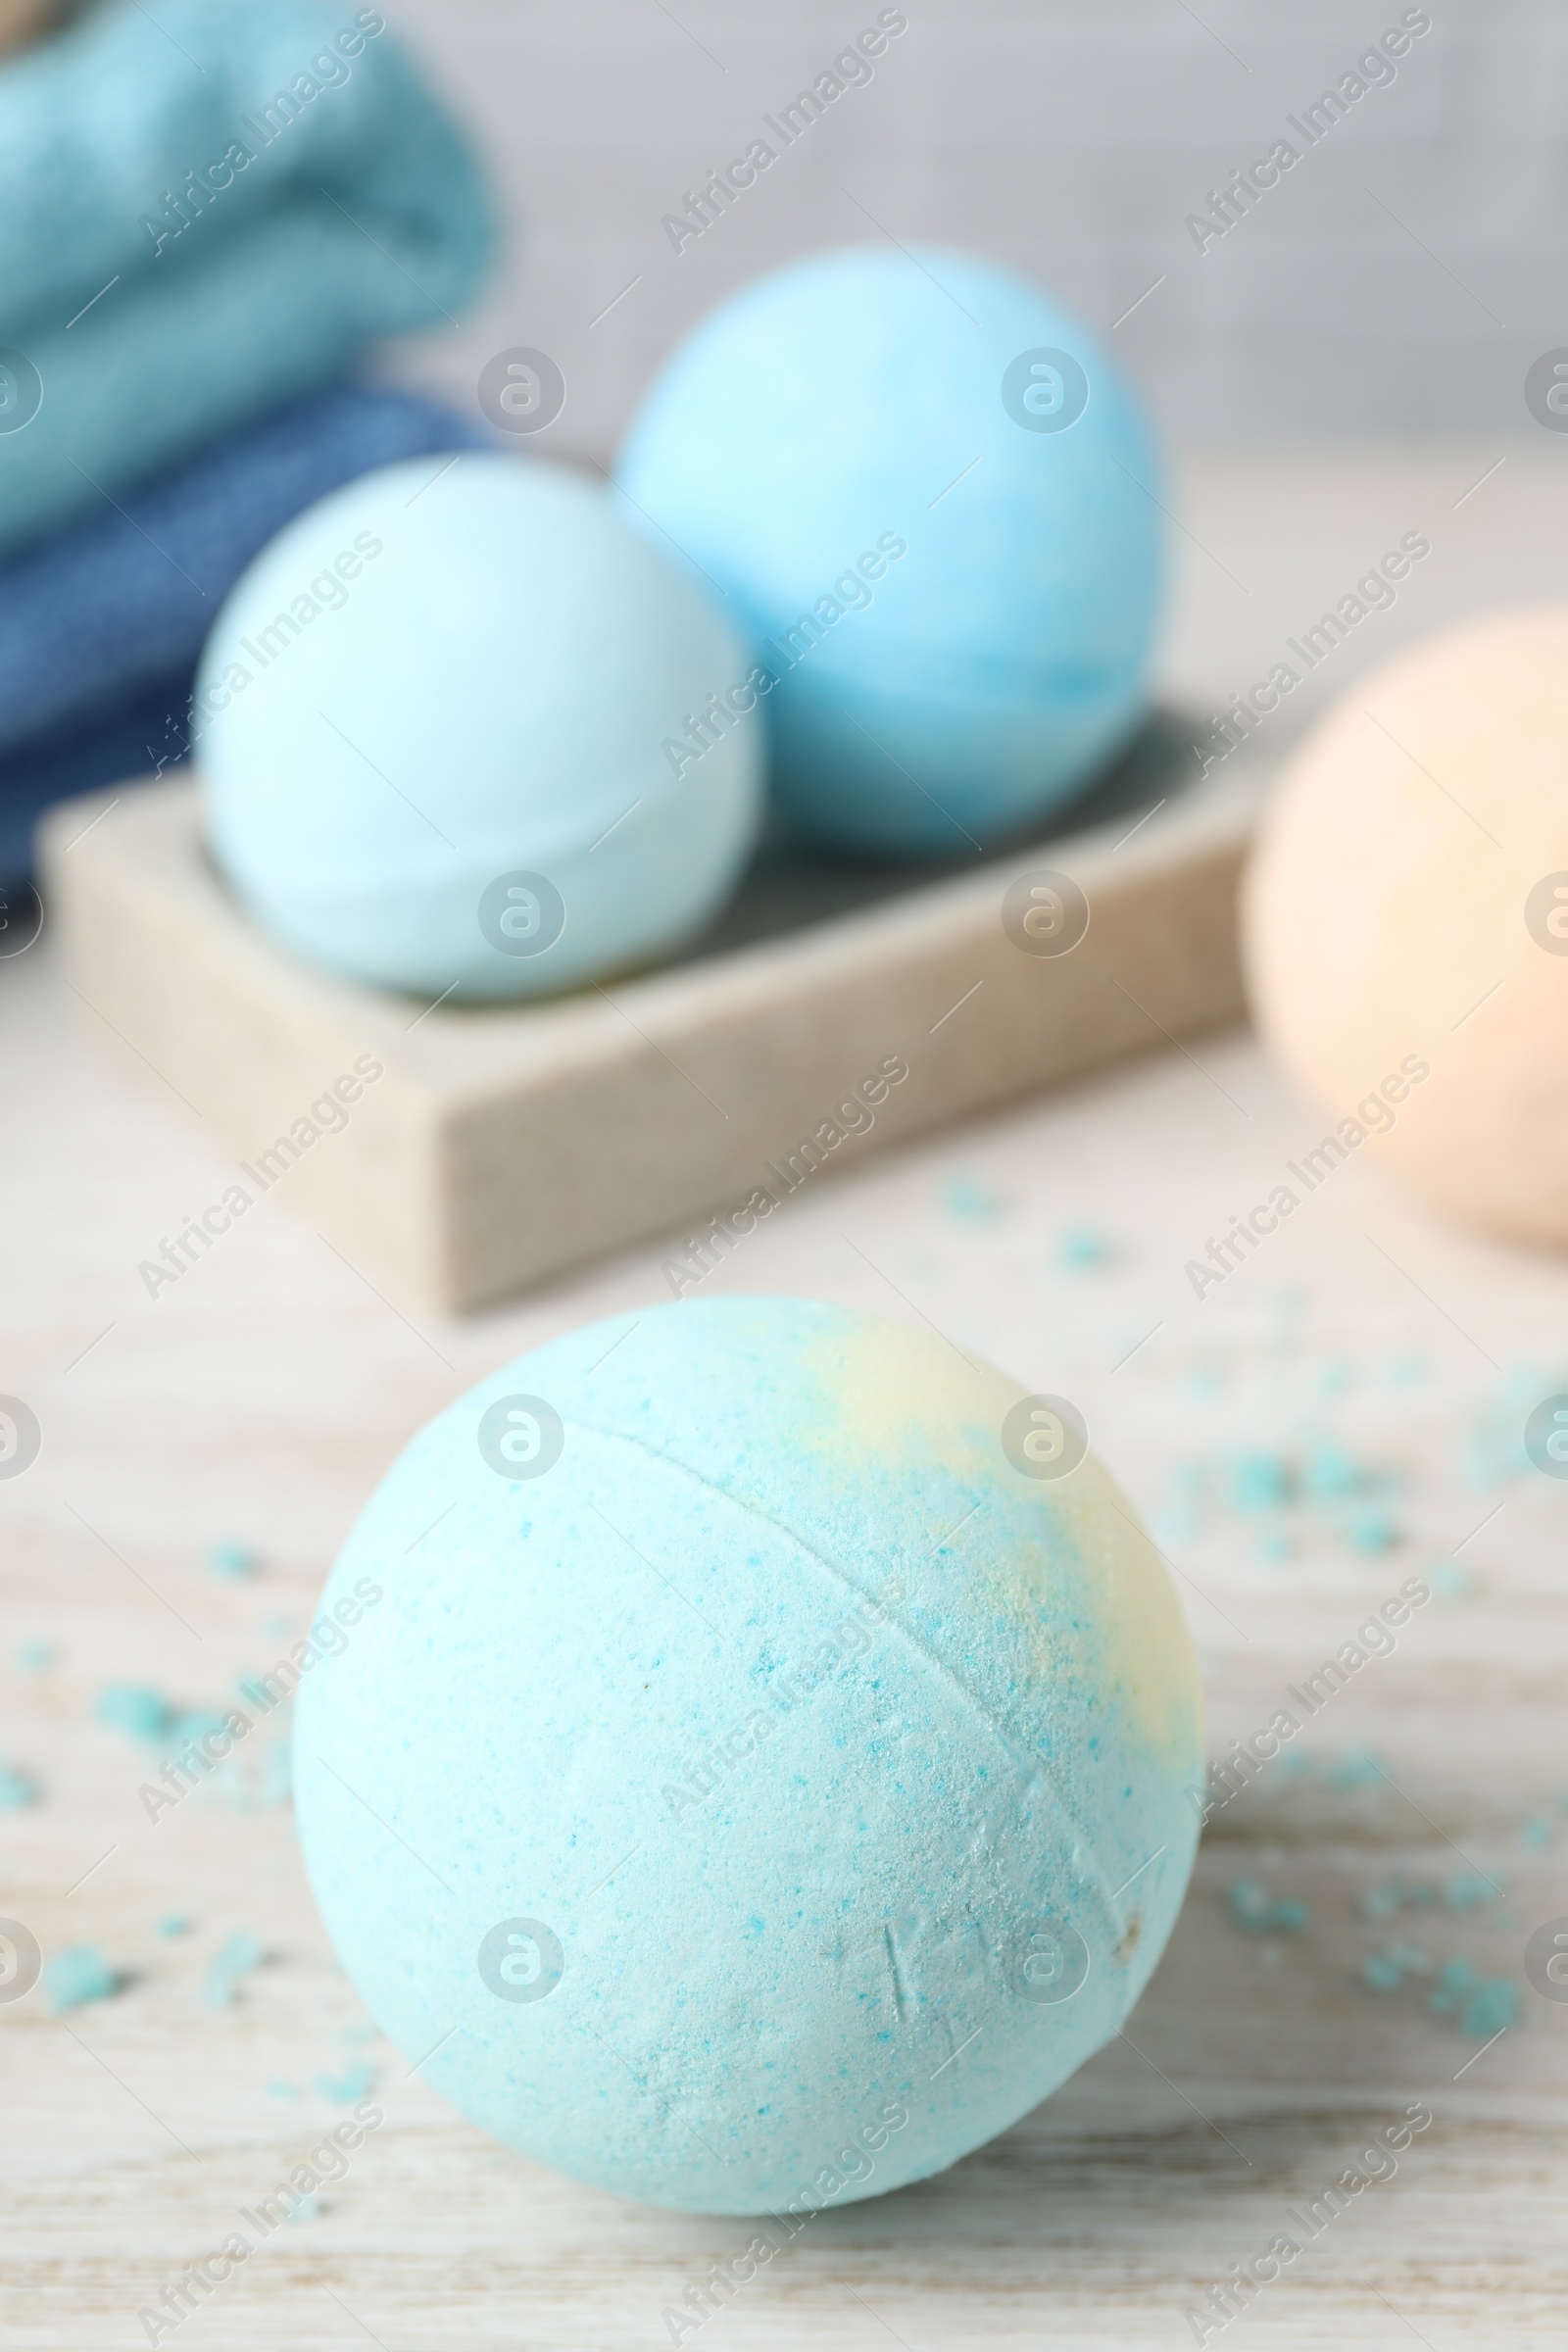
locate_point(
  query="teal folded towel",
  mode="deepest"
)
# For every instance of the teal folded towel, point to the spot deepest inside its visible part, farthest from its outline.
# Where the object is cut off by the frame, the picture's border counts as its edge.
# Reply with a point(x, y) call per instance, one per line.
point(202, 216)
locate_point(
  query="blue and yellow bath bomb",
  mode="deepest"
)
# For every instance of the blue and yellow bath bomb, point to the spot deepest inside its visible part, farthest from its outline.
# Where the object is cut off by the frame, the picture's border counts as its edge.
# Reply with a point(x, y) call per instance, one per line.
point(933, 497)
point(430, 723)
point(752, 1774)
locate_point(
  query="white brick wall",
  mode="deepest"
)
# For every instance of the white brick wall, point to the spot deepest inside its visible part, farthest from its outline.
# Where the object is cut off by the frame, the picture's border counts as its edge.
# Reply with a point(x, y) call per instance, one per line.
point(1071, 137)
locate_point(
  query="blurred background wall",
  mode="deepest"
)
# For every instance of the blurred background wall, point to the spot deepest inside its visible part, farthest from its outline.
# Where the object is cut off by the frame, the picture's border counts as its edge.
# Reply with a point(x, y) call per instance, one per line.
point(1400, 278)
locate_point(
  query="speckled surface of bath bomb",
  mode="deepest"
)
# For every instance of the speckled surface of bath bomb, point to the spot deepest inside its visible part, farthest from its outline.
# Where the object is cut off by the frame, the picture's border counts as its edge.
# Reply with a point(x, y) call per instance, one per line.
point(430, 723)
point(1405, 921)
point(932, 497)
point(776, 1791)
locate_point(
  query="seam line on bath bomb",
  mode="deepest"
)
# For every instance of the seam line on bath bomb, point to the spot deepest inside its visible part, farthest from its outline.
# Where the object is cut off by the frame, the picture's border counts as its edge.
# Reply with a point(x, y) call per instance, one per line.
point(1037, 1767)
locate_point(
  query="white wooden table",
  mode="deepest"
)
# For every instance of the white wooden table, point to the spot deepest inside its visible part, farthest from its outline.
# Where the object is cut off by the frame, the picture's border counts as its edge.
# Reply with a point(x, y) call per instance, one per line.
point(257, 1400)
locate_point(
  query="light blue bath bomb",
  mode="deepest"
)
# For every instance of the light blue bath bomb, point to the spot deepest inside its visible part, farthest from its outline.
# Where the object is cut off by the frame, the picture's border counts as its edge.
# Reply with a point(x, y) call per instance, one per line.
point(934, 495)
point(750, 1788)
point(431, 718)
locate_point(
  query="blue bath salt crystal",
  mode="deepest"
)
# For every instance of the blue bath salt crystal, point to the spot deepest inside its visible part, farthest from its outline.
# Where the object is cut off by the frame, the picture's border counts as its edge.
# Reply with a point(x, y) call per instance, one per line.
point(1259, 1482)
point(17, 1789)
point(1083, 1247)
point(233, 1560)
point(1456, 1981)
point(1357, 1768)
point(1407, 1369)
point(35, 1657)
point(1449, 1580)
point(137, 1711)
point(343, 2089)
point(1384, 1971)
point(74, 1977)
point(304, 2208)
point(1468, 1890)
point(239, 1956)
point(1371, 1531)
point(1251, 1908)
point(970, 1202)
point(1491, 2005)
point(1380, 1902)
point(1538, 1833)
point(175, 1922)
point(1329, 1471)
point(283, 2091)
point(1272, 1550)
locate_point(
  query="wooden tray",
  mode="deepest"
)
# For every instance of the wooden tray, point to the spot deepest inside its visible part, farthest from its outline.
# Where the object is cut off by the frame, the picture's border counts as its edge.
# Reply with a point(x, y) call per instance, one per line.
point(467, 1153)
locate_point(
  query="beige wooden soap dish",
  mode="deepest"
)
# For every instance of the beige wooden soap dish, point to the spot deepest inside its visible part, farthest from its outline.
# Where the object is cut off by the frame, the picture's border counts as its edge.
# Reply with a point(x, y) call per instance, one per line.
point(473, 1152)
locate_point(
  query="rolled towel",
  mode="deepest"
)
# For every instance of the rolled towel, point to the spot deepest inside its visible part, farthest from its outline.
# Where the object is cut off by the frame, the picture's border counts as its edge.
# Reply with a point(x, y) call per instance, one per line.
point(201, 216)
point(101, 627)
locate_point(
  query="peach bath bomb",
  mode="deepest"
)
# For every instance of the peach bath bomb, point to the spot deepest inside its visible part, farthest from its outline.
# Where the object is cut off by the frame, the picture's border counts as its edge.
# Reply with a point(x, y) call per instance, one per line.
point(430, 719)
point(1406, 910)
point(767, 1767)
point(934, 501)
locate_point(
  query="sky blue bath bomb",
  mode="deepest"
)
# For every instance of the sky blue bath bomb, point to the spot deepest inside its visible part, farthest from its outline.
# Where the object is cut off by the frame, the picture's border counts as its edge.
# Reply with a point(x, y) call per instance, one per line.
point(431, 725)
point(748, 1786)
point(934, 495)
